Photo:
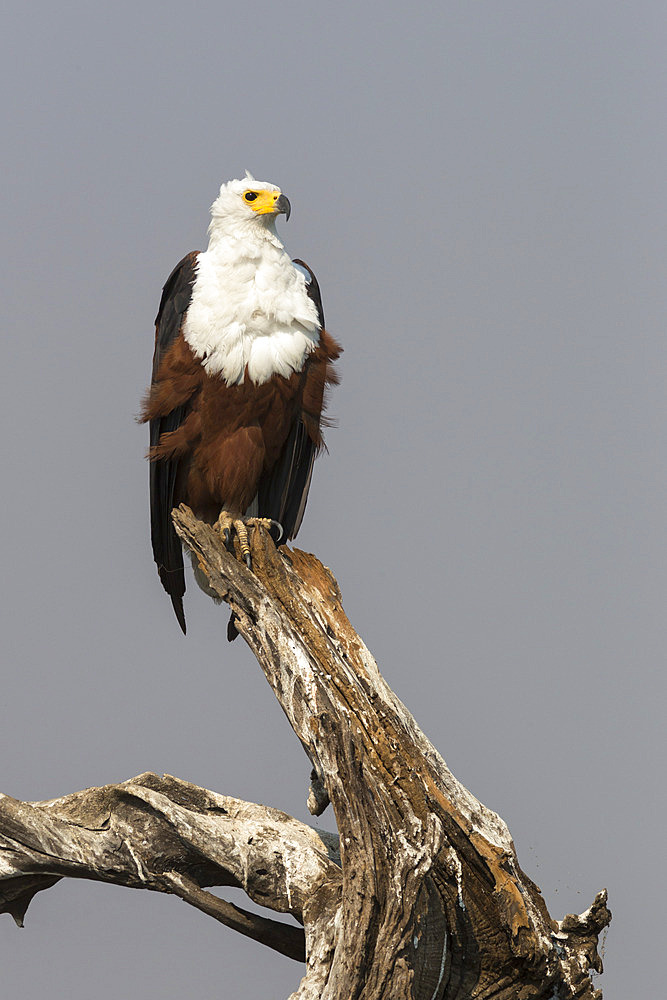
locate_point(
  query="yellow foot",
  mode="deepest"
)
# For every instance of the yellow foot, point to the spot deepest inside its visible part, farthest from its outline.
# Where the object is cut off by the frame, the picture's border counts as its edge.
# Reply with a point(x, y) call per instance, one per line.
point(229, 523)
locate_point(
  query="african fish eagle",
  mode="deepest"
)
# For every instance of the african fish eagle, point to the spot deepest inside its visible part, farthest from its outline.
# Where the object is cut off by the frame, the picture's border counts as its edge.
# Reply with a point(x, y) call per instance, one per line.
point(242, 361)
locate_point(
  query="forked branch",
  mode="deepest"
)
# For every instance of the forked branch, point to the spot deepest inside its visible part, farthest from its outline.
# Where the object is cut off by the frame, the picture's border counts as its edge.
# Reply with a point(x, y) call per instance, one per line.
point(427, 899)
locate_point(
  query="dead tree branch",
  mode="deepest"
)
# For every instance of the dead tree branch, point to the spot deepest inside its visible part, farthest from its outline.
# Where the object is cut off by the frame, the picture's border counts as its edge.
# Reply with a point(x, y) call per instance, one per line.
point(426, 900)
point(167, 835)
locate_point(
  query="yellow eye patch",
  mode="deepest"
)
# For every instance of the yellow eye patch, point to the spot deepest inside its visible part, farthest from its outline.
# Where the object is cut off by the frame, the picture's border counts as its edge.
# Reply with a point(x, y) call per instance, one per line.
point(261, 202)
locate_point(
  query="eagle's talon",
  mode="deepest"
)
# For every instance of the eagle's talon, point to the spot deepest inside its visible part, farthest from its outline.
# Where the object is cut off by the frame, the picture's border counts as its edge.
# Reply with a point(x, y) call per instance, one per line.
point(227, 524)
point(269, 524)
point(242, 535)
point(279, 528)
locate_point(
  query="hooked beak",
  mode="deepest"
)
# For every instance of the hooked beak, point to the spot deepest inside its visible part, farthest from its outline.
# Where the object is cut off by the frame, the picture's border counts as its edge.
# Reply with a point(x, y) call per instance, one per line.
point(282, 207)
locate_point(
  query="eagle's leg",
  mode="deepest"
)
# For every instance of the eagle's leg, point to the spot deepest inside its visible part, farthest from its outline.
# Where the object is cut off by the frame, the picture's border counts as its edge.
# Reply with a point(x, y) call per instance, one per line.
point(228, 523)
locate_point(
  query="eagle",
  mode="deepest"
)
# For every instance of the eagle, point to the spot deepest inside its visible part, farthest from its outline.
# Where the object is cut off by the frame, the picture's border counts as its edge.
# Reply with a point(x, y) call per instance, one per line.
point(241, 368)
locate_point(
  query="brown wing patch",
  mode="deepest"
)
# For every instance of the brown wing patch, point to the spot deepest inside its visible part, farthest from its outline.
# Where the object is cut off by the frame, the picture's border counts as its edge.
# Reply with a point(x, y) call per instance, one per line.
point(319, 375)
point(177, 443)
point(178, 378)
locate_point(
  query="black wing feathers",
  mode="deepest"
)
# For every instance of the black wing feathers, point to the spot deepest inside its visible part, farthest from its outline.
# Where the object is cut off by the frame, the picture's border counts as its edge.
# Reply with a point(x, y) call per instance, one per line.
point(167, 550)
point(281, 495)
point(313, 289)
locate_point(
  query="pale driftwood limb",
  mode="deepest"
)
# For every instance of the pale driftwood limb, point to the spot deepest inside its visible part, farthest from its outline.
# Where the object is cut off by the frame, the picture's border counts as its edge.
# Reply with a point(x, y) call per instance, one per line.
point(167, 835)
point(429, 901)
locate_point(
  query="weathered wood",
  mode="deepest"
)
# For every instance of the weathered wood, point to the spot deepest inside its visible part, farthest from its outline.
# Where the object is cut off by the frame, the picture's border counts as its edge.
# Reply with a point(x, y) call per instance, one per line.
point(167, 835)
point(425, 865)
point(429, 901)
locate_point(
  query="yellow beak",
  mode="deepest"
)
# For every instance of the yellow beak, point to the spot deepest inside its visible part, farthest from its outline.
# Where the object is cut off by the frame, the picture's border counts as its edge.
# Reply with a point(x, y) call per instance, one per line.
point(271, 202)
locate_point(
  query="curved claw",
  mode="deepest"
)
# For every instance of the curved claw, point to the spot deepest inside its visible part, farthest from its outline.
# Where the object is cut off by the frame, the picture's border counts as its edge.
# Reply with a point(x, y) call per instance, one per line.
point(248, 560)
point(281, 530)
point(226, 537)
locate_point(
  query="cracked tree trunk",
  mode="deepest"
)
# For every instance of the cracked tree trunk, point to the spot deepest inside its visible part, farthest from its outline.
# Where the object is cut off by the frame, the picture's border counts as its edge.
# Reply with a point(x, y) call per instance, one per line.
point(422, 897)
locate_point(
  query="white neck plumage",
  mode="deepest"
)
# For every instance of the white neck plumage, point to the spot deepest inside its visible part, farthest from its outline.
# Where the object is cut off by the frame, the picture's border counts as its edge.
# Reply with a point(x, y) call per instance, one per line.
point(259, 230)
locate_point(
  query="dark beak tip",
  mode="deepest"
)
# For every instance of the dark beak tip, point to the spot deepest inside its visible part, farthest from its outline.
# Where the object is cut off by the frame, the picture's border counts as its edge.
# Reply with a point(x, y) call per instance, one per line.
point(284, 206)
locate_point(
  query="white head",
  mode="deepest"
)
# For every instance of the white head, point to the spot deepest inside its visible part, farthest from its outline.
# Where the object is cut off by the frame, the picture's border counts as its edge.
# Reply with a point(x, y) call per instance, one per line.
point(247, 205)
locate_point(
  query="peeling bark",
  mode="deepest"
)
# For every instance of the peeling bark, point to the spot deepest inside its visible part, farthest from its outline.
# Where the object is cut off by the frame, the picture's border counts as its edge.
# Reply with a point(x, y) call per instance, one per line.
point(426, 898)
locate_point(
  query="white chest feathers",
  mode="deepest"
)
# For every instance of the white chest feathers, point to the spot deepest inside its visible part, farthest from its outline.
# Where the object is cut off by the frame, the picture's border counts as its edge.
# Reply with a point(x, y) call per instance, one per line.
point(250, 307)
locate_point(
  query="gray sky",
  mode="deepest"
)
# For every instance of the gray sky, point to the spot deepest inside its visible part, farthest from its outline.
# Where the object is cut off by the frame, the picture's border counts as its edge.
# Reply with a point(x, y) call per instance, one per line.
point(480, 190)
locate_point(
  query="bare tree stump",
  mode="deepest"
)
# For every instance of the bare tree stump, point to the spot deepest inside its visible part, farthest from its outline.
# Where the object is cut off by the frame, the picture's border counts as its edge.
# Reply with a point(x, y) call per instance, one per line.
point(422, 896)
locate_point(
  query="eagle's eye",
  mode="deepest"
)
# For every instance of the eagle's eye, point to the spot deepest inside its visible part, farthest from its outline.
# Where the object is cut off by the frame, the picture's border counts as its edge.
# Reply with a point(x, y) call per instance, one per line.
point(250, 195)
